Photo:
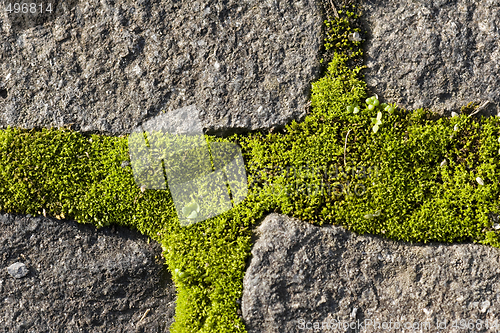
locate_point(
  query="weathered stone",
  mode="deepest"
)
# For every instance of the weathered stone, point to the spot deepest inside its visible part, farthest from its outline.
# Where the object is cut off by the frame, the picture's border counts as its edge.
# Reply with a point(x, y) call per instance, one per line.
point(301, 274)
point(82, 279)
point(439, 54)
point(106, 66)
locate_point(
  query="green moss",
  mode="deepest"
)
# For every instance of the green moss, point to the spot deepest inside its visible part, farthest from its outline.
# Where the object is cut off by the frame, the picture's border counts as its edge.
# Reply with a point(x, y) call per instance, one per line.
point(408, 193)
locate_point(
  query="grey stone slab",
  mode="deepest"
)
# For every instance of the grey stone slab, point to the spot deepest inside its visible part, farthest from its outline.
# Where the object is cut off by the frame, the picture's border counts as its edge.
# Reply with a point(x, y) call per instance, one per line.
point(107, 66)
point(300, 274)
point(80, 279)
point(438, 54)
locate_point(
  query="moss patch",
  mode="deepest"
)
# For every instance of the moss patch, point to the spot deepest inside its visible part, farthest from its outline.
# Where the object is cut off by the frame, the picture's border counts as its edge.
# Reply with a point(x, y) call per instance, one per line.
point(330, 168)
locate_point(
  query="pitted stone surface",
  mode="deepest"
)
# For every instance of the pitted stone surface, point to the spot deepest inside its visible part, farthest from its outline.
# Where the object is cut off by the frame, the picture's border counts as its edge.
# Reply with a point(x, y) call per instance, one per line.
point(107, 65)
point(300, 274)
point(438, 54)
point(80, 279)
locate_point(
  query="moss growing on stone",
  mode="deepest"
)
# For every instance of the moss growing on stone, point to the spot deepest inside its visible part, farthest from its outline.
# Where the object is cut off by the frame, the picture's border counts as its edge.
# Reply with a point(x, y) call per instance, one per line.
point(330, 168)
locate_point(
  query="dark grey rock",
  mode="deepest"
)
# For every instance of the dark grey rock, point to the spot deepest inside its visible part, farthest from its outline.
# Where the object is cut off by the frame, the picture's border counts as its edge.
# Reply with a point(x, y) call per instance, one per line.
point(439, 54)
point(300, 274)
point(106, 66)
point(17, 270)
point(82, 279)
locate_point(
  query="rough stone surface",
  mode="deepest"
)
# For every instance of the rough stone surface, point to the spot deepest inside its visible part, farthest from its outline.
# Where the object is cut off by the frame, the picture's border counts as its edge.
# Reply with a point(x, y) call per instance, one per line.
point(17, 270)
point(106, 66)
point(438, 54)
point(300, 274)
point(81, 279)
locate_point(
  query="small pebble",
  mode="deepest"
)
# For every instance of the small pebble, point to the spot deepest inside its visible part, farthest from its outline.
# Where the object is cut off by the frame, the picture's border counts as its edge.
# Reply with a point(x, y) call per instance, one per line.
point(353, 313)
point(479, 181)
point(484, 306)
point(355, 37)
point(17, 270)
point(444, 163)
point(454, 114)
point(496, 226)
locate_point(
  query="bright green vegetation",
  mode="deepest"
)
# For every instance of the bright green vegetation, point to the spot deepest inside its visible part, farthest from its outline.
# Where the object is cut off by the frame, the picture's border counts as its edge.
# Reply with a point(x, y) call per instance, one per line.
point(414, 195)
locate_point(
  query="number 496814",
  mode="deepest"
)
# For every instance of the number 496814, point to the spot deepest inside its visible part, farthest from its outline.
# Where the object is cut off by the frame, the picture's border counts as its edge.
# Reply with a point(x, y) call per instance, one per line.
point(28, 8)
